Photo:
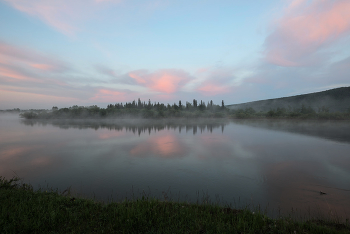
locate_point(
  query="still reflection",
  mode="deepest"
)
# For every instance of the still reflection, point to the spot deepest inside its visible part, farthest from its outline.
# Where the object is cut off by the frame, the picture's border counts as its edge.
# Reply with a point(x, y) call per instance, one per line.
point(135, 126)
point(267, 164)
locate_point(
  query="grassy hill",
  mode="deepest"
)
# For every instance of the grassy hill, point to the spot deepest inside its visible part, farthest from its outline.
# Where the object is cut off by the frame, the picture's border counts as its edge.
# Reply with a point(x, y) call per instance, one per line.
point(335, 100)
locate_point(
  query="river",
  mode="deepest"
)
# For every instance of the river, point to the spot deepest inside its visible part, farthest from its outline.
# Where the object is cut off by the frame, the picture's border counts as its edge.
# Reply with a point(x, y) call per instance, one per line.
point(278, 165)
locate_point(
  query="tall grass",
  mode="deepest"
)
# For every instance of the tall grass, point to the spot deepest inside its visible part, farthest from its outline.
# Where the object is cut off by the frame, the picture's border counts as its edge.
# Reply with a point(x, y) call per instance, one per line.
point(23, 210)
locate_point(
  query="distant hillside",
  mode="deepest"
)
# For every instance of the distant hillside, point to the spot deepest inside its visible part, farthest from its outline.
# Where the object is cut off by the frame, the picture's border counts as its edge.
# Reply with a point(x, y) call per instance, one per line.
point(336, 100)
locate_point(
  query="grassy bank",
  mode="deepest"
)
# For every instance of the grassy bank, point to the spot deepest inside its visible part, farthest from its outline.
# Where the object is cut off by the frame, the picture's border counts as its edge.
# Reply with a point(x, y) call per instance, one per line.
point(23, 210)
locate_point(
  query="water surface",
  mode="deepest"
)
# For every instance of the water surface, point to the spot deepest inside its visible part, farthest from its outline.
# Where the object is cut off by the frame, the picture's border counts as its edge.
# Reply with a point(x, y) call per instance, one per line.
point(281, 165)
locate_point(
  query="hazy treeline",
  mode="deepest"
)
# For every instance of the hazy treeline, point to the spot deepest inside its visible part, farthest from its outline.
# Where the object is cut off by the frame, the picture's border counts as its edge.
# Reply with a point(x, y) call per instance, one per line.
point(134, 109)
point(190, 110)
point(14, 110)
point(17, 111)
point(334, 100)
point(304, 112)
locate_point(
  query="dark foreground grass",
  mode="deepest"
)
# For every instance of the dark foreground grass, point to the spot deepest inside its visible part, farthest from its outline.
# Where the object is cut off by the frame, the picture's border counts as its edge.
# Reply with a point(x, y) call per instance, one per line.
point(23, 210)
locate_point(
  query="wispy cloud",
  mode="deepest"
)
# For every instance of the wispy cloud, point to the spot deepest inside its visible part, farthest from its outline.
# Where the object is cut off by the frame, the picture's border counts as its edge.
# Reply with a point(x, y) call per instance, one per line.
point(218, 80)
point(337, 73)
point(156, 5)
point(305, 30)
point(110, 95)
point(15, 96)
point(57, 14)
point(107, 71)
point(64, 15)
point(36, 77)
point(103, 1)
point(12, 74)
point(12, 54)
point(29, 71)
point(43, 67)
point(210, 89)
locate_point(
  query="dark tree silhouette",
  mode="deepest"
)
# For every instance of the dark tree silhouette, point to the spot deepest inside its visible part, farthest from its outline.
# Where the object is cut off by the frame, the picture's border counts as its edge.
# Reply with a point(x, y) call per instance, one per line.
point(139, 103)
point(134, 109)
point(194, 103)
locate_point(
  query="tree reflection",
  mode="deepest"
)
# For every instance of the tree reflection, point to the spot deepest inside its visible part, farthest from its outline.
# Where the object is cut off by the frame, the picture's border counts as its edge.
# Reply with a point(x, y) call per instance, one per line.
point(136, 127)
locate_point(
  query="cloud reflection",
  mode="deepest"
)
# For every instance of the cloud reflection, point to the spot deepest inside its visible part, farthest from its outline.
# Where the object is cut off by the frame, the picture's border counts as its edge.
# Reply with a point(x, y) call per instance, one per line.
point(167, 146)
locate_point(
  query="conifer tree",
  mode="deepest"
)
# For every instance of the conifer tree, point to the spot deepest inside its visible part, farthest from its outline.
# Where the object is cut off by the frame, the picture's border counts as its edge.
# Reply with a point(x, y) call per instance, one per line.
point(139, 103)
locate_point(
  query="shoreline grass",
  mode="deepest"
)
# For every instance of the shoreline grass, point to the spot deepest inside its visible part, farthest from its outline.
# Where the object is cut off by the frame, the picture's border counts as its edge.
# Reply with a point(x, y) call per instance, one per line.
point(23, 210)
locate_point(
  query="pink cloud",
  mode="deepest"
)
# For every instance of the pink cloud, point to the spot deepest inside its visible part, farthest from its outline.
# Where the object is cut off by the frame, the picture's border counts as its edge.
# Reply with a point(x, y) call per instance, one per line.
point(306, 28)
point(165, 81)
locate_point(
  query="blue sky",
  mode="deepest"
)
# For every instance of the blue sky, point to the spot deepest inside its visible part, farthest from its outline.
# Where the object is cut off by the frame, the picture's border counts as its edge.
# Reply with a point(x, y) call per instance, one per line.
point(63, 53)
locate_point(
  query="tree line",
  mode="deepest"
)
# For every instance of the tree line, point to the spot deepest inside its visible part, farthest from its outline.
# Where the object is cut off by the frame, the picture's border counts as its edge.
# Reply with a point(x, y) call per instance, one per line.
point(137, 109)
point(192, 109)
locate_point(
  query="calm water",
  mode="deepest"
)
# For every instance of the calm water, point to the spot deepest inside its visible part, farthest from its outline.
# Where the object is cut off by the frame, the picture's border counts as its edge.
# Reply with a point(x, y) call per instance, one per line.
point(281, 165)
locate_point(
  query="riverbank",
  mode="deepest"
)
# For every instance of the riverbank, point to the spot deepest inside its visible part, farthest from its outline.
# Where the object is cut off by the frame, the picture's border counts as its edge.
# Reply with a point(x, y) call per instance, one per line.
point(26, 211)
point(188, 115)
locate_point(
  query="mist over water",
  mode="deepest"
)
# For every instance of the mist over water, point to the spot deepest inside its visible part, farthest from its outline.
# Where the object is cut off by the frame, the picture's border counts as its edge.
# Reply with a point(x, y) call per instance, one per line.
point(275, 164)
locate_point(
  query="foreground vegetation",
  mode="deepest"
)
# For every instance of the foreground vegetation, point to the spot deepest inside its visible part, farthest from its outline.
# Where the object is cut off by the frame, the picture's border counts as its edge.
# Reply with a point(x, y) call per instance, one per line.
point(23, 210)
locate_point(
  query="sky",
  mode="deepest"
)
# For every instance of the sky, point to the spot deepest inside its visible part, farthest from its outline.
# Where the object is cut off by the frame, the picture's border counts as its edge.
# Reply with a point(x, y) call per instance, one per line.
point(99, 52)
